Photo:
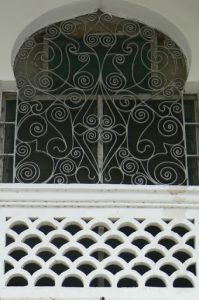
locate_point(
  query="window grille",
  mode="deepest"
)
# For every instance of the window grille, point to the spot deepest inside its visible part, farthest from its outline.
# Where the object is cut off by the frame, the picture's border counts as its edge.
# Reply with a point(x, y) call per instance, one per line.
point(100, 101)
point(9, 102)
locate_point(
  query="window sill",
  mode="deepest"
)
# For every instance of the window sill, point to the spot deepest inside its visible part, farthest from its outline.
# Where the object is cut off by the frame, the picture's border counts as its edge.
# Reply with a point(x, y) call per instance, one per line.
point(98, 196)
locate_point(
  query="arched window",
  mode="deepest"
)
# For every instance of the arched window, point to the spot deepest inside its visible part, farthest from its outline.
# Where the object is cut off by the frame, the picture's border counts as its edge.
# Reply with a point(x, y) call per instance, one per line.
point(100, 102)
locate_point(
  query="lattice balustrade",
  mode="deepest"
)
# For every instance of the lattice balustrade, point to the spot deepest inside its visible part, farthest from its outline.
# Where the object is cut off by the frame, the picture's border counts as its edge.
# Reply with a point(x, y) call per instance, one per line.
point(106, 252)
point(99, 241)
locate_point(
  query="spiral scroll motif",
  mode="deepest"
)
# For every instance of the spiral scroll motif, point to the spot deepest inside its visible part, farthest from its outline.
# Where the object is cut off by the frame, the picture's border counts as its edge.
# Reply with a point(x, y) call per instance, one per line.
point(100, 101)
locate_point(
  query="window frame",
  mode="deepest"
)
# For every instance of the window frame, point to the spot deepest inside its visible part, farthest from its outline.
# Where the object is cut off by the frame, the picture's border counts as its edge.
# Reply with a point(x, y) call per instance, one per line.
point(6, 95)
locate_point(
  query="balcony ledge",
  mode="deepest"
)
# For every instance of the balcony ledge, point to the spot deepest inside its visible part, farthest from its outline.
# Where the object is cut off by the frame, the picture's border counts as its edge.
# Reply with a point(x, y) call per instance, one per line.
point(98, 196)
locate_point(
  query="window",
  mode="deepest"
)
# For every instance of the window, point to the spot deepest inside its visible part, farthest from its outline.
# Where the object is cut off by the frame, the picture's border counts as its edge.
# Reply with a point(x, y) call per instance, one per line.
point(191, 130)
point(8, 110)
point(7, 133)
point(100, 102)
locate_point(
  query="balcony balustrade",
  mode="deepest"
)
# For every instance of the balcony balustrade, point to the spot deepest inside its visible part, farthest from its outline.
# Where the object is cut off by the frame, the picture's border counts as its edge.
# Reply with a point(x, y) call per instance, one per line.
point(99, 242)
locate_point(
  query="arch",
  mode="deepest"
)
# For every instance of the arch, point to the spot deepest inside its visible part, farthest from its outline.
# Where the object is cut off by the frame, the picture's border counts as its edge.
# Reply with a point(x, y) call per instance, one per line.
point(100, 66)
point(120, 8)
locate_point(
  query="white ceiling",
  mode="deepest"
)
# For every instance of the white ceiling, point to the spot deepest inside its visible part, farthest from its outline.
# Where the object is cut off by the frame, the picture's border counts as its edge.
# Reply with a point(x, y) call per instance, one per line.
point(177, 18)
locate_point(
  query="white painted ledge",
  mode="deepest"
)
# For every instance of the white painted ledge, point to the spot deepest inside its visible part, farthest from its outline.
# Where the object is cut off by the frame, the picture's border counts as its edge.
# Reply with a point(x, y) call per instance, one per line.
point(98, 293)
point(98, 196)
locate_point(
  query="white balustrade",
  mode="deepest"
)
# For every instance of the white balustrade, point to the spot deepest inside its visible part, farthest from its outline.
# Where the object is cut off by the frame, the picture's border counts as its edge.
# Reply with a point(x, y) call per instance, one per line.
point(95, 241)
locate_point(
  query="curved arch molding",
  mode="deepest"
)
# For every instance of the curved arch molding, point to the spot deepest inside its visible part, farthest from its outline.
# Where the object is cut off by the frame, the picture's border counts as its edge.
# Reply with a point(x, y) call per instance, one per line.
point(120, 8)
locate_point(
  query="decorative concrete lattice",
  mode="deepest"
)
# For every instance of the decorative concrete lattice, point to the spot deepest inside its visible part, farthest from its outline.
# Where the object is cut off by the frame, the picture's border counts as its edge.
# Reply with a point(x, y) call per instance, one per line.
point(100, 252)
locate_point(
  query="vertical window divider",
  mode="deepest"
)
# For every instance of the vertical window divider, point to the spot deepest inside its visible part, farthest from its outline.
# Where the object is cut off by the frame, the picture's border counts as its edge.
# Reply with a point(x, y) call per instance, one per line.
point(100, 154)
point(184, 138)
point(15, 139)
point(154, 48)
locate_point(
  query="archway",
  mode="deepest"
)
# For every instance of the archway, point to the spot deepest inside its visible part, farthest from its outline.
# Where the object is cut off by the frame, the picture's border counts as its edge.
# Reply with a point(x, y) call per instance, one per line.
point(100, 102)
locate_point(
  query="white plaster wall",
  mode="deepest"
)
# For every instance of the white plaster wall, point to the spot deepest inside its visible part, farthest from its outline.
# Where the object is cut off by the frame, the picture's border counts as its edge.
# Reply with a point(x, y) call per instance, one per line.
point(178, 18)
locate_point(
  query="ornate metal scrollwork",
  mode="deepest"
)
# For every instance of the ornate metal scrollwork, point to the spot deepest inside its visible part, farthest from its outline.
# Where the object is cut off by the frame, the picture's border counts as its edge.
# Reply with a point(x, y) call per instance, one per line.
point(100, 102)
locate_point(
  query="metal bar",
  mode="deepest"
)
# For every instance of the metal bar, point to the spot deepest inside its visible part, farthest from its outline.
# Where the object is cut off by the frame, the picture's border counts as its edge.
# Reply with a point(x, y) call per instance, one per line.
point(191, 123)
point(7, 123)
point(185, 140)
point(100, 154)
point(15, 138)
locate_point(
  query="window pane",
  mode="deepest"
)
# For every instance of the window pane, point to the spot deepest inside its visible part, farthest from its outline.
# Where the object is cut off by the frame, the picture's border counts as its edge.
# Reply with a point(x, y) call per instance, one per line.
point(69, 55)
point(9, 130)
point(146, 142)
point(191, 141)
point(190, 110)
point(10, 110)
point(57, 141)
point(7, 162)
point(193, 167)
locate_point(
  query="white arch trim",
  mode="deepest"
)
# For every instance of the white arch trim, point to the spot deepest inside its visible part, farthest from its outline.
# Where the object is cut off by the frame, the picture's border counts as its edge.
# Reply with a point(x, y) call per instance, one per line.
point(121, 8)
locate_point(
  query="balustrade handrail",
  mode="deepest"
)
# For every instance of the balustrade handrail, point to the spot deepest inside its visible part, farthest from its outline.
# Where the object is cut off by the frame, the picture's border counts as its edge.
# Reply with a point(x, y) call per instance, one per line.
point(103, 195)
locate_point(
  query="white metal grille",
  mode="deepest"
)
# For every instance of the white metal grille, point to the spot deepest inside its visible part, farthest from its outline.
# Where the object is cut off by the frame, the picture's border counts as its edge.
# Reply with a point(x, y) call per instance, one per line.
point(133, 133)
